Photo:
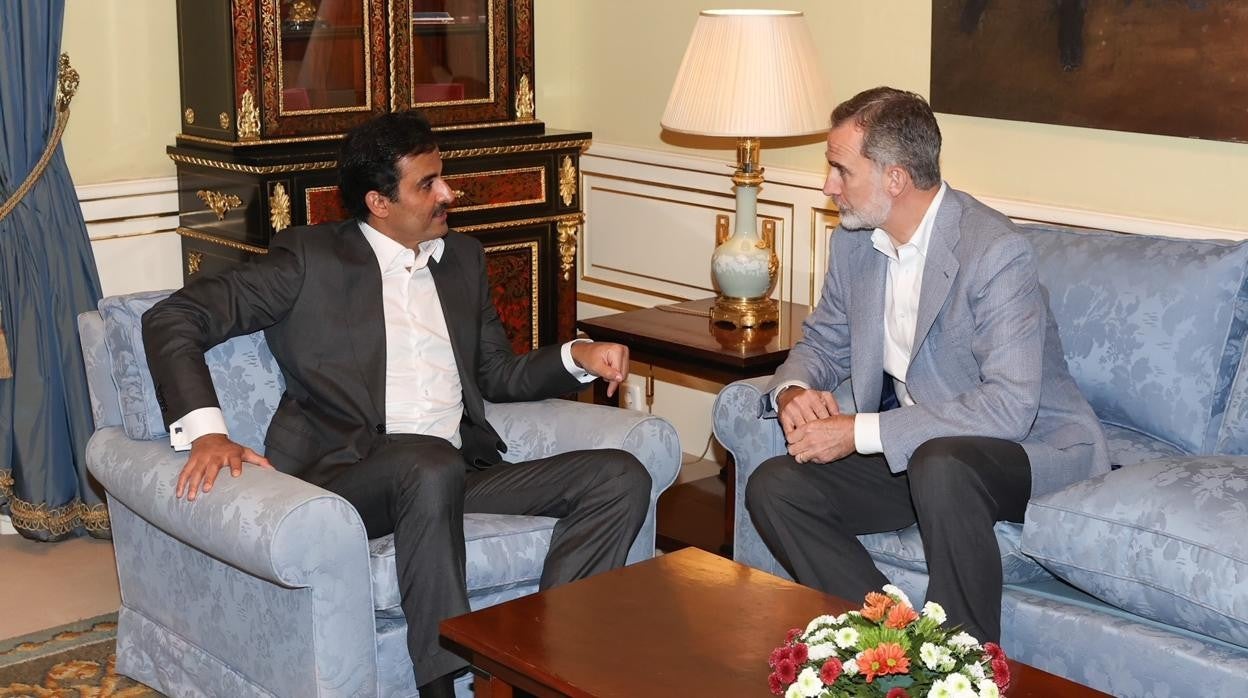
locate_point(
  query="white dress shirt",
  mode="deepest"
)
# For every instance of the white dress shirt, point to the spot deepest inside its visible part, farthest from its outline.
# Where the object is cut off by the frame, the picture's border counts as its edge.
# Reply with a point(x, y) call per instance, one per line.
point(423, 392)
point(902, 289)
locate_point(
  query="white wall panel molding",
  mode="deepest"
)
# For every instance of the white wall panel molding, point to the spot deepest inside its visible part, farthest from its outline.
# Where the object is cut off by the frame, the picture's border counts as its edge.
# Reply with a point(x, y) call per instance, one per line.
point(650, 221)
point(131, 225)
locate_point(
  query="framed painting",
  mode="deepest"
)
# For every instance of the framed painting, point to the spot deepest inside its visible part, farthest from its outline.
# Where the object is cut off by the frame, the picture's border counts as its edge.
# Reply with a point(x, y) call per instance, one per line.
point(1168, 67)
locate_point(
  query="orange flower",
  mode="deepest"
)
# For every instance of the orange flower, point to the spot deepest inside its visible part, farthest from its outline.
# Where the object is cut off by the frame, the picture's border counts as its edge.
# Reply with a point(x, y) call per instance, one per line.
point(876, 606)
point(900, 616)
point(883, 659)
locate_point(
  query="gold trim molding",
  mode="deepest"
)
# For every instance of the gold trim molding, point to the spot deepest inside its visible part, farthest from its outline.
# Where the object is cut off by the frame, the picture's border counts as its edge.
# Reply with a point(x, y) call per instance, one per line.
point(520, 223)
point(59, 521)
point(248, 118)
point(524, 100)
point(507, 149)
point(253, 169)
point(224, 120)
point(279, 208)
point(219, 203)
point(189, 115)
point(567, 247)
point(224, 242)
point(193, 260)
point(533, 269)
point(567, 180)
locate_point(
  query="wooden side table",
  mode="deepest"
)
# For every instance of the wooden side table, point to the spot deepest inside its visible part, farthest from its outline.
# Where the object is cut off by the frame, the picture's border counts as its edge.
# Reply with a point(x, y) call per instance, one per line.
point(681, 338)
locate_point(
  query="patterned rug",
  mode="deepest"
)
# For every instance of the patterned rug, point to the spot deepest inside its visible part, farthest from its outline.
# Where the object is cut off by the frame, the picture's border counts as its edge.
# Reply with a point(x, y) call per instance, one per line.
point(72, 661)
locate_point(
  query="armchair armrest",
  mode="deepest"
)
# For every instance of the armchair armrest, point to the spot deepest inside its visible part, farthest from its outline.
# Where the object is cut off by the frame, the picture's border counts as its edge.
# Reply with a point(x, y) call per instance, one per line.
point(254, 544)
point(740, 427)
point(547, 427)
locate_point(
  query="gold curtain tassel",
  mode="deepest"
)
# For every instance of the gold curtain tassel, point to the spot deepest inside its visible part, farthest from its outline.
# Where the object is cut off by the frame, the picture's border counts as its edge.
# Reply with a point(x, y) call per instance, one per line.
point(6, 366)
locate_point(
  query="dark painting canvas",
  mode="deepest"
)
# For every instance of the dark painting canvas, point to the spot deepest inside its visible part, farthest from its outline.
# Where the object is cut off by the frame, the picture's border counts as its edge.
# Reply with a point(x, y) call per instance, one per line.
point(1171, 67)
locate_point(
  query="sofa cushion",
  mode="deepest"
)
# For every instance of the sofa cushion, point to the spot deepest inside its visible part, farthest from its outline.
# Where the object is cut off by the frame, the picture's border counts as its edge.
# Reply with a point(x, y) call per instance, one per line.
point(1152, 327)
point(1163, 540)
point(904, 549)
point(503, 551)
point(1129, 447)
point(244, 373)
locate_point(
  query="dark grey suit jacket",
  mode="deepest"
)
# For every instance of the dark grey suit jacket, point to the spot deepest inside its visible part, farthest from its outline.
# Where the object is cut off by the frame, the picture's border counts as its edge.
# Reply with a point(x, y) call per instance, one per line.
point(317, 296)
point(987, 359)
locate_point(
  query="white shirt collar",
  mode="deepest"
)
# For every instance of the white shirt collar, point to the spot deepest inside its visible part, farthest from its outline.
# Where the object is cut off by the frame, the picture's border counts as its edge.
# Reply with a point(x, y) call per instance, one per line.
point(922, 235)
point(391, 255)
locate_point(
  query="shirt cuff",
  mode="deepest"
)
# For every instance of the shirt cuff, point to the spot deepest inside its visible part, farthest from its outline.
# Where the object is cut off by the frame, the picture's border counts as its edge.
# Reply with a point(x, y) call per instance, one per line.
point(196, 423)
point(577, 372)
point(867, 433)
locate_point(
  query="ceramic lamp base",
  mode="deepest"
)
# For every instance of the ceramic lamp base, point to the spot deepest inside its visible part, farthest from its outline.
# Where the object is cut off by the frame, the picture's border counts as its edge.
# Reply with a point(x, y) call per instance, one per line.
point(745, 312)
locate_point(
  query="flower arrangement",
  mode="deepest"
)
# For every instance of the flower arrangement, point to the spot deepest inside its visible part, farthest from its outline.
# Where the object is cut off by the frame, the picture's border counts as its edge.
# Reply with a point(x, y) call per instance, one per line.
point(886, 649)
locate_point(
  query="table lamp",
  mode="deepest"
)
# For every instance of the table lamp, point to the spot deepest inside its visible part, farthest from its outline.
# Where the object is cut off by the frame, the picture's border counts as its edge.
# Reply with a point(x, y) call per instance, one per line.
point(749, 75)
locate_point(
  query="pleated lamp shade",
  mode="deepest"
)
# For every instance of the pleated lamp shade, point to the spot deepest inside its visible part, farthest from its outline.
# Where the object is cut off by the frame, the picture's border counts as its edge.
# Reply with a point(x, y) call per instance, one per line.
point(749, 73)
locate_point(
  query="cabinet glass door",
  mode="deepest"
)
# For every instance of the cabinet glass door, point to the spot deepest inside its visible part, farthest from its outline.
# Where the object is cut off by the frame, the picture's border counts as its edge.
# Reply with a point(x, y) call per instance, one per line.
point(324, 64)
point(452, 59)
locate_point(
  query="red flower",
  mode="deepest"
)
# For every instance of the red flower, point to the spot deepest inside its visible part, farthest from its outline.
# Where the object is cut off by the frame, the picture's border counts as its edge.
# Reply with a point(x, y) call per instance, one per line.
point(786, 670)
point(885, 658)
point(993, 650)
point(1001, 673)
point(830, 670)
point(900, 616)
point(799, 653)
point(897, 692)
point(775, 684)
point(793, 635)
point(776, 655)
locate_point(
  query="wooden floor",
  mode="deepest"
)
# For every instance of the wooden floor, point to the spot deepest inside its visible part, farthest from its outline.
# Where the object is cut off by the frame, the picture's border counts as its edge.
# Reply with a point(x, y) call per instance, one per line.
point(43, 585)
point(691, 512)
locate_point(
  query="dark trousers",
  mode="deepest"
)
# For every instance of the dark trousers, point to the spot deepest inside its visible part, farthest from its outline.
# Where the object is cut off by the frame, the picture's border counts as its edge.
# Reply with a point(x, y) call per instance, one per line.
point(420, 487)
point(954, 488)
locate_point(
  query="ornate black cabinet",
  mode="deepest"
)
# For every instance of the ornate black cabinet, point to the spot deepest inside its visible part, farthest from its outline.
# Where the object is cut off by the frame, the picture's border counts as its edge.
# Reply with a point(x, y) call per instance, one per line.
point(269, 86)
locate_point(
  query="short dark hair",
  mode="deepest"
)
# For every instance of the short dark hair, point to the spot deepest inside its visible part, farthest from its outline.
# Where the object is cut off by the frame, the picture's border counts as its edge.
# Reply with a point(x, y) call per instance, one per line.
point(369, 159)
point(899, 129)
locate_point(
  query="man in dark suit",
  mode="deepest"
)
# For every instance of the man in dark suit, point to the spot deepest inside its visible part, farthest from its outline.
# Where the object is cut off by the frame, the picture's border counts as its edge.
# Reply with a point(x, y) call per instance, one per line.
point(933, 311)
point(389, 342)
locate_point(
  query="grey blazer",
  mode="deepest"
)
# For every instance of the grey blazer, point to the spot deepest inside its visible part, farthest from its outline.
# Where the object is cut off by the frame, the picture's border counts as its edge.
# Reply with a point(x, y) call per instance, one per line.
point(317, 296)
point(987, 358)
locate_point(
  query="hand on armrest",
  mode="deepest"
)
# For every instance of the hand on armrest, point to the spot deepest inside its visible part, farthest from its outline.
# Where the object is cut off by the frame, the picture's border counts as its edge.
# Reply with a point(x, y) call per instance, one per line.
point(209, 454)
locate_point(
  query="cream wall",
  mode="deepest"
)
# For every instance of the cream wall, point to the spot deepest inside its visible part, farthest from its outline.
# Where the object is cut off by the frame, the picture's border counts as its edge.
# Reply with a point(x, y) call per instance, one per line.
point(623, 57)
point(126, 109)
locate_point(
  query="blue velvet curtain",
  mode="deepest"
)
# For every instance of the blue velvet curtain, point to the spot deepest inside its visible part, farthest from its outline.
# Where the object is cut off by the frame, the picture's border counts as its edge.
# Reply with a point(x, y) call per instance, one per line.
point(47, 277)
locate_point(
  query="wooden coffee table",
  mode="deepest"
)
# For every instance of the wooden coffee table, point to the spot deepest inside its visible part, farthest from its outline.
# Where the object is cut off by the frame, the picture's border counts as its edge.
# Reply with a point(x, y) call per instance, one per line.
point(684, 624)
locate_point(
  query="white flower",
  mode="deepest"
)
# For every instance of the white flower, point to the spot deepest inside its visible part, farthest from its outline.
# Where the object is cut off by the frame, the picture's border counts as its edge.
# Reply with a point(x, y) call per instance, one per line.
point(846, 637)
point(940, 689)
point(850, 668)
point(958, 683)
point(809, 683)
point(822, 651)
point(794, 691)
point(988, 689)
point(824, 635)
point(821, 620)
point(935, 611)
point(930, 655)
point(963, 642)
point(841, 618)
point(901, 595)
point(975, 670)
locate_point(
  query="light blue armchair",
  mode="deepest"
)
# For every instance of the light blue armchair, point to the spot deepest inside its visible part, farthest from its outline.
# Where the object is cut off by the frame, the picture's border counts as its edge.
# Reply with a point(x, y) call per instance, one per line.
point(1134, 582)
point(268, 586)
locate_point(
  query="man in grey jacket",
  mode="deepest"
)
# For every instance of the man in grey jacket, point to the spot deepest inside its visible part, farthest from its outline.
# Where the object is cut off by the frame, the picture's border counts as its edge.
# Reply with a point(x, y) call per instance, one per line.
point(964, 406)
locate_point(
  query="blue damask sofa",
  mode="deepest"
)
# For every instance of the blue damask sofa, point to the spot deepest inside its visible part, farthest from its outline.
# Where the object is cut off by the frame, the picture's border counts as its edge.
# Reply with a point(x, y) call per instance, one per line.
point(267, 586)
point(1134, 582)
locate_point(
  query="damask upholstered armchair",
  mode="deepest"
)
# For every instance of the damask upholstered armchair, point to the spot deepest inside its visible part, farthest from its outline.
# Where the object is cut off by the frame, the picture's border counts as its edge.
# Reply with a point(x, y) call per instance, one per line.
point(268, 586)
